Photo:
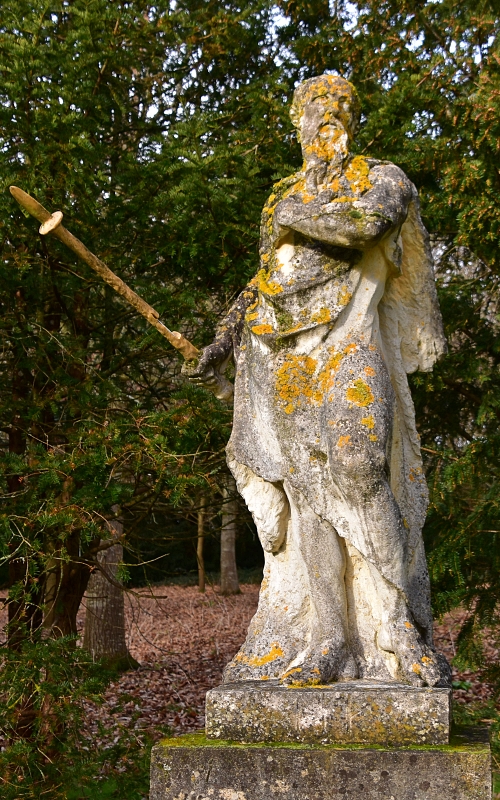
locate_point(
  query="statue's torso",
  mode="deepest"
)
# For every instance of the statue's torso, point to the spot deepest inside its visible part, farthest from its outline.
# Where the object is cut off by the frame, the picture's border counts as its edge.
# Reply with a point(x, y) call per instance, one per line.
point(304, 284)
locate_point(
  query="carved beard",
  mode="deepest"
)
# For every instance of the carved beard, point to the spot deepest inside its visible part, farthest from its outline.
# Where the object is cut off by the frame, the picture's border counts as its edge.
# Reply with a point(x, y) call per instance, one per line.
point(324, 157)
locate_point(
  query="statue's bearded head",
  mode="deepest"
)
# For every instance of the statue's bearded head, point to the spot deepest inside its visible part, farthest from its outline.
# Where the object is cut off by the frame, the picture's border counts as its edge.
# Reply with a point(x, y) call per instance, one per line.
point(326, 112)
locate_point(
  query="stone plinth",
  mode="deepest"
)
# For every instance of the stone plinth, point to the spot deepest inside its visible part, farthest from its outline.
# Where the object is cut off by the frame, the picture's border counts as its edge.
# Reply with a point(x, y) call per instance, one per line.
point(362, 712)
point(196, 768)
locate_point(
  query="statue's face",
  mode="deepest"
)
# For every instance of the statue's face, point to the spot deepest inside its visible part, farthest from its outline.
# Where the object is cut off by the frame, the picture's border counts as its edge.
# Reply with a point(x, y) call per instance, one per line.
point(326, 124)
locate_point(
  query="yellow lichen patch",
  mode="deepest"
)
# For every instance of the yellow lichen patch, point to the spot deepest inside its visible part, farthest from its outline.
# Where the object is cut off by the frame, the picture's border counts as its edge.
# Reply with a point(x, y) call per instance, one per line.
point(344, 199)
point(259, 661)
point(368, 422)
point(416, 668)
point(265, 257)
point(373, 437)
point(322, 316)
point(326, 378)
point(294, 382)
point(357, 174)
point(408, 625)
point(426, 660)
point(264, 677)
point(291, 672)
point(325, 149)
point(344, 296)
point(370, 371)
point(343, 441)
point(325, 651)
point(334, 185)
point(360, 394)
point(264, 285)
point(261, 329)
point(372, 347)
point(405, 523)
point(351, 348)
point(250, 317)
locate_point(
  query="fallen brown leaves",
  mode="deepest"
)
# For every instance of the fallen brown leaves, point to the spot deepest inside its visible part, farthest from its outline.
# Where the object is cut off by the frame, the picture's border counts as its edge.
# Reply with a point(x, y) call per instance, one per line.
point(182, 640)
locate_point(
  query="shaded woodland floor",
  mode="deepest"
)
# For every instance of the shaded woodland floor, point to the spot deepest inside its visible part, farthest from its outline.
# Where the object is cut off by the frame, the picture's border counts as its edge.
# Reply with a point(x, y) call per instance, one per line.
point(182, 640)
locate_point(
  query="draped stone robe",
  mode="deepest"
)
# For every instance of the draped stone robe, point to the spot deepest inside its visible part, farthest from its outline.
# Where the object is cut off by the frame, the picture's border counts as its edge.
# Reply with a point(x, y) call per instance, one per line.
point(324, 447)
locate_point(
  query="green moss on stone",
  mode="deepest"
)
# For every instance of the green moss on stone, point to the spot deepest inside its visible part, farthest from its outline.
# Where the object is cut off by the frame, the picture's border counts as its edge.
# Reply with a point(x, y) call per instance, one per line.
point(460, 742)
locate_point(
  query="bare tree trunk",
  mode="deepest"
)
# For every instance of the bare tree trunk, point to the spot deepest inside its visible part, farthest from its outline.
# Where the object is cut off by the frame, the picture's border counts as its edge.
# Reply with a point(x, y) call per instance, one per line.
point(199, 545)
point(228, 570)
point(104, 635)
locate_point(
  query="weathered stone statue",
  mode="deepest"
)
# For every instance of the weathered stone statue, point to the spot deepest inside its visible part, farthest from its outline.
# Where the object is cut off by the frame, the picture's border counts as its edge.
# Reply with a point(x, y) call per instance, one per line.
point(324, 447)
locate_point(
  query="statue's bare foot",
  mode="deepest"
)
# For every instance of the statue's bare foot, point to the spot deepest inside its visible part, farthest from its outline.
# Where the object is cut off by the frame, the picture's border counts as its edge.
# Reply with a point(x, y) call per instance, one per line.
point(265, 662)
point(420, 665)
point(324, 664)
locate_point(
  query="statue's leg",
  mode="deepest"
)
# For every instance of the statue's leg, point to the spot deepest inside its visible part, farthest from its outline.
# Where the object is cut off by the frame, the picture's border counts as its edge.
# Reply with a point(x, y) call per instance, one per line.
point(368, 514)
point(326, 655)
point(299, 631)
point(277, 631)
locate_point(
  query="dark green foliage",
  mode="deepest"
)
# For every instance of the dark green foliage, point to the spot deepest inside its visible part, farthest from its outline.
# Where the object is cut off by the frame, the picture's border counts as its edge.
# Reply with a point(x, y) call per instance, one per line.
point(159, 129)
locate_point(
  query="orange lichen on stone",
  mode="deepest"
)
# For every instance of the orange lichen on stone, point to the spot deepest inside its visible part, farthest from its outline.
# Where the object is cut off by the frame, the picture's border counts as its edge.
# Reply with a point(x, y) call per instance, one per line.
point(294, 382)
point(357, 174)
point(344, 440)
point(250, 317)
point(368, 422)
point(264, 285)
point(416, 668)
point(373, 437)
point(408, 625)
point(344, 296)
point(360, 394)
point(261, 329)
point(322, 316)
point(326, 378)
point(259, 661)
point(291, 672)
point(370, 371)
point(350, 348)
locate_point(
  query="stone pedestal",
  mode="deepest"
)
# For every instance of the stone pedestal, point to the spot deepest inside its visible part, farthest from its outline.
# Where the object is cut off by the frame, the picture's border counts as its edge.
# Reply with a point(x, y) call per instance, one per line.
point(363, 712)
point(196, 768)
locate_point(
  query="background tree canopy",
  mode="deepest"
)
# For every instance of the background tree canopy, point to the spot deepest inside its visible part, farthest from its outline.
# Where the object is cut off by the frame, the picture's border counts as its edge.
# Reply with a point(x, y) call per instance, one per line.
point(159, 129)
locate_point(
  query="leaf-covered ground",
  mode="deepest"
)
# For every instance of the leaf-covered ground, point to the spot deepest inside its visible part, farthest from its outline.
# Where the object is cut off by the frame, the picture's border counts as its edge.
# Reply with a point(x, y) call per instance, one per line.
point(183, 639)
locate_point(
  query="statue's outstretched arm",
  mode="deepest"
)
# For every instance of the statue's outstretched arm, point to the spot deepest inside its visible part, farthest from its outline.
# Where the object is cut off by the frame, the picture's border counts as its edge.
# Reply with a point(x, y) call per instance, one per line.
point(215, 358)
point(347, 222)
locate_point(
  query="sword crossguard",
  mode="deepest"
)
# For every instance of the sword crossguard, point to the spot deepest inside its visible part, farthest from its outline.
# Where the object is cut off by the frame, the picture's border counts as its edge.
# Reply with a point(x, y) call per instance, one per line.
point(51, 223)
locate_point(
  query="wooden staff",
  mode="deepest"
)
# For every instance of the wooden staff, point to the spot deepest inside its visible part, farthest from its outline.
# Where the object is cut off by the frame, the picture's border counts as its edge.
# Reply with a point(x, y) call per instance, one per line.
point(51, 223)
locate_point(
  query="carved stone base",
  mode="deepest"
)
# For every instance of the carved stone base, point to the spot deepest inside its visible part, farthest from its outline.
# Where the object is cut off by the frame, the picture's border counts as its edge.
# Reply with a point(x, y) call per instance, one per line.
point(361, 712)
point(195, 768)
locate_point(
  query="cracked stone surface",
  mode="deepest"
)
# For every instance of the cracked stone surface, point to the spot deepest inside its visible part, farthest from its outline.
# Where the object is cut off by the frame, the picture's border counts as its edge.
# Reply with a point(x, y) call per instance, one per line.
point(351, 712)
point(193, 768)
